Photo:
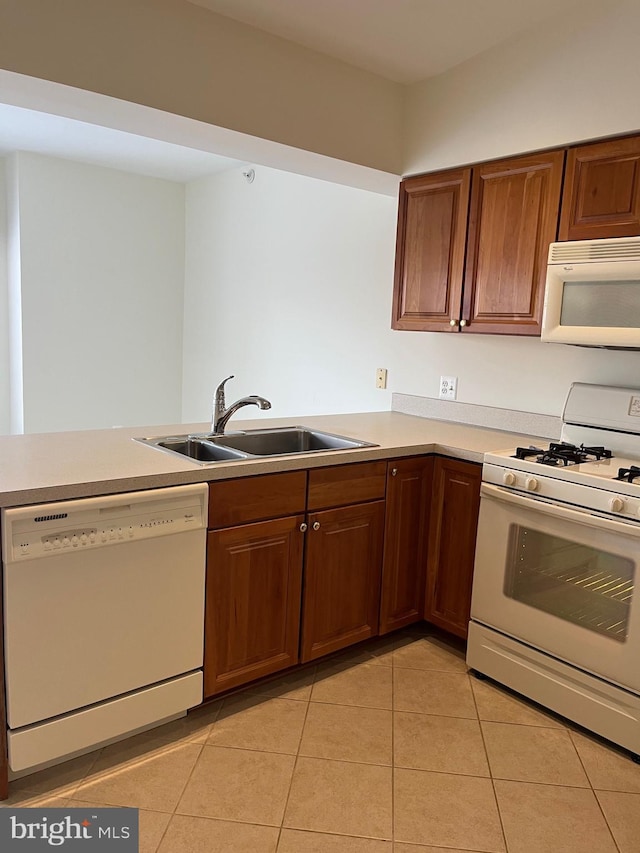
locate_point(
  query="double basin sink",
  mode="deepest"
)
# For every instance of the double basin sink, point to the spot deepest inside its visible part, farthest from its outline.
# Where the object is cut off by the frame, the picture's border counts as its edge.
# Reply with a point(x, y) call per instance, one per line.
point(206, 449)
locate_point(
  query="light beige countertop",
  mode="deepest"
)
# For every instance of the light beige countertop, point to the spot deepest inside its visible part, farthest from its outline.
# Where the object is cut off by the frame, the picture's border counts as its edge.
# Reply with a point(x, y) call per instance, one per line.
point(55, 466)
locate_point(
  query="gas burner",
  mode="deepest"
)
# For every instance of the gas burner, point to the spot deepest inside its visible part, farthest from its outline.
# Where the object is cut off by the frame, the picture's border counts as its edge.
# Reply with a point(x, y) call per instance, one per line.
point(525, 452)
point(555, 457)
point(563, 453)
point(576, 454)
point(628, 475)
point(598, 452)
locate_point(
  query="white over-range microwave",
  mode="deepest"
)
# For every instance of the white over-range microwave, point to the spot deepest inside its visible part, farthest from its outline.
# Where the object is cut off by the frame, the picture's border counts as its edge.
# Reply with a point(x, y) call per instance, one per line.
point(592, 294)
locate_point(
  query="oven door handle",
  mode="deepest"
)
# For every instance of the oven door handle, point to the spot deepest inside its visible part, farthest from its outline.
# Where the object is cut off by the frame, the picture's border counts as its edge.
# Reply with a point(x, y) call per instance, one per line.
point(487, 490)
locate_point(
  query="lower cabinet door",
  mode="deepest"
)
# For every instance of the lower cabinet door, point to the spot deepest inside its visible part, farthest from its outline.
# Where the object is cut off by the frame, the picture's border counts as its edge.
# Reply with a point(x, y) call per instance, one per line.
point(342, 578)
point(404, 568)
point(252, 616)
point(452, 544)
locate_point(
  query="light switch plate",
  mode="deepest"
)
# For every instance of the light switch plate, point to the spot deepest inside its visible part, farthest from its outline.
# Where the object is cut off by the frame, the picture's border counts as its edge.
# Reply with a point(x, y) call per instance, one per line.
point(381, 377)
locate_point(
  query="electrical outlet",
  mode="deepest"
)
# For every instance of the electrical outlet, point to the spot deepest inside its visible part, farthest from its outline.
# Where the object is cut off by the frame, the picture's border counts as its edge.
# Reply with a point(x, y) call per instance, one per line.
point(448, 387)
point(381, 377)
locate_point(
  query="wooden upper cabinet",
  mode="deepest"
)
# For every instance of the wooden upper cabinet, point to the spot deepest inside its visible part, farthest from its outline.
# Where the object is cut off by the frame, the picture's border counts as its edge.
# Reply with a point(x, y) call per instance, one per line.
point(512, 219)
point(432, 222)
point(601, 196)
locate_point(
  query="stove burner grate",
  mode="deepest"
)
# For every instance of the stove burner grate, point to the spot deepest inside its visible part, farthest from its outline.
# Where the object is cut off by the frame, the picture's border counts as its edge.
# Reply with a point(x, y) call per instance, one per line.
point(628, 475)
point(562, 453)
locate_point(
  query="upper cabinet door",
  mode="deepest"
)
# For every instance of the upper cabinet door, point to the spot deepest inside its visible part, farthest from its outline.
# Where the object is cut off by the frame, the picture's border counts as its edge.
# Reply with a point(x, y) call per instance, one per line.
point(601, 195)
point(513, 218)
point(432, 221)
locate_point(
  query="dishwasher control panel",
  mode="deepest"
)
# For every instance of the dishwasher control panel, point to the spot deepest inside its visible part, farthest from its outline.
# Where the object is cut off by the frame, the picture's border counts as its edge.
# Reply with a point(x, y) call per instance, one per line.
point(80, 525)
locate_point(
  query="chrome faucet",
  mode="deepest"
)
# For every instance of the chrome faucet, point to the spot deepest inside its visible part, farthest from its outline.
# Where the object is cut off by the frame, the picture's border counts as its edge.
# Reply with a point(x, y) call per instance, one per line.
point(221, 414)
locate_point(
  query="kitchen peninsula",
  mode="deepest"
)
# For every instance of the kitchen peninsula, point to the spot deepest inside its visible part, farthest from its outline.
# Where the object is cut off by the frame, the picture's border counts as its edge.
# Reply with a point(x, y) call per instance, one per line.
point(394, 513)
point(58, 466)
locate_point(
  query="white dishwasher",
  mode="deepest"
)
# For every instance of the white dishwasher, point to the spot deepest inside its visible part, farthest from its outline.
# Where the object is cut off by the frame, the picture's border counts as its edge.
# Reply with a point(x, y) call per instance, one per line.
point(103, 618)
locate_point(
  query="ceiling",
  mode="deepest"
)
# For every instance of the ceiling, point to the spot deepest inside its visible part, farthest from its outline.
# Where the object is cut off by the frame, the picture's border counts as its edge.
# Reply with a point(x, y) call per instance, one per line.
point(58, 136)
point(402, 40)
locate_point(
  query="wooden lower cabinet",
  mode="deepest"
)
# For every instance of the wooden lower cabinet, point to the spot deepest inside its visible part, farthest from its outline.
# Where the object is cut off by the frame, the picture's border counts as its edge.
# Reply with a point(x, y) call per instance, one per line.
point(294, 589)
point(253, 594)
point(342, 578)
point(405, 541)
point(452, 544)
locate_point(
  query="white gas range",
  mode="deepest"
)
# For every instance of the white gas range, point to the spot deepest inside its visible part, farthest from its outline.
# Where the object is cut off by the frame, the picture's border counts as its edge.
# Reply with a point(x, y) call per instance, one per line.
point(553, 611)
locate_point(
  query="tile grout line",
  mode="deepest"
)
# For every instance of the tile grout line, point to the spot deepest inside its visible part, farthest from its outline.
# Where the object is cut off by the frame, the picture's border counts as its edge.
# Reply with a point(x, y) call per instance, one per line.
point(593, 790)
point(58, 791)
point(189, 775)
point(486, 752)
point(295, 765)
point(202, 746)
point(393, 749)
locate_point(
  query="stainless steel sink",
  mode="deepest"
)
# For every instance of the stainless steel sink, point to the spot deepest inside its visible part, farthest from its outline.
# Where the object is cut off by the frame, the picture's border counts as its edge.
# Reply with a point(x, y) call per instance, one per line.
point(207, 449)
point(273, 442)
point(196, 448)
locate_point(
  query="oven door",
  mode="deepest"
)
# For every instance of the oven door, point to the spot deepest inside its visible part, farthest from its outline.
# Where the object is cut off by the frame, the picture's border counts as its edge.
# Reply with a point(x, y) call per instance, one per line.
point(560, 579)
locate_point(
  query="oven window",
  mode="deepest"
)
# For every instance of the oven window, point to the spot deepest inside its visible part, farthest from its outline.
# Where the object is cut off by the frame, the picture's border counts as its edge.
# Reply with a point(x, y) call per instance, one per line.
point(574, 582)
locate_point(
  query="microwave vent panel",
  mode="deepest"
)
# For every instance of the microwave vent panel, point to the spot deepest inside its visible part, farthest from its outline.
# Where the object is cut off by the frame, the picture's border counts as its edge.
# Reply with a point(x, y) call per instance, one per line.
point(584, 251)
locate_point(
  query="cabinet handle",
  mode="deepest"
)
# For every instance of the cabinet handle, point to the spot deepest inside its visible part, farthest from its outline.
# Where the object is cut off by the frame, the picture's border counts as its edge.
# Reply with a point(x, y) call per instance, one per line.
point(303, 526)
point(454, 322)
point(394, 472)
point(316, 525)
point(463, 323)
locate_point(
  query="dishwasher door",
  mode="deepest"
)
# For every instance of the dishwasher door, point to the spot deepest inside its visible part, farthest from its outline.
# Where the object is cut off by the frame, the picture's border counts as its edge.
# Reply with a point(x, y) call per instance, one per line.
point(102, 597)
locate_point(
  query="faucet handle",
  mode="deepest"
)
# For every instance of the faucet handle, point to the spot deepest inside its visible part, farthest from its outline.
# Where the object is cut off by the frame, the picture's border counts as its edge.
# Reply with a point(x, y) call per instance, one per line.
point(219, 395)
point(218, 404)
point(222, 384)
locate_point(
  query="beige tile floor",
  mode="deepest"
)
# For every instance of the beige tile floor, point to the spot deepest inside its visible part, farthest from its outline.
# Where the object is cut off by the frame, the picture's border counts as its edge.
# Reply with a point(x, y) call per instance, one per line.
point(388, 748)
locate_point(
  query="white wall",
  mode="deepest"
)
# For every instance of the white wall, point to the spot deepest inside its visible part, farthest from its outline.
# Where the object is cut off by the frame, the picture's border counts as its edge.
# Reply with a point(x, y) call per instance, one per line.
point(288, 280)
point(5, 405)
point(287, 286)
point(102, 265)
point(14, 298)
point(579, 80)
point(178, 57)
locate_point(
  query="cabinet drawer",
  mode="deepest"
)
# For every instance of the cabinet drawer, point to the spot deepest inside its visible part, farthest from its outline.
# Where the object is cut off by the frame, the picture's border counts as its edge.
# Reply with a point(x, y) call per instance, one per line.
point(346, 484)
point(248, 499)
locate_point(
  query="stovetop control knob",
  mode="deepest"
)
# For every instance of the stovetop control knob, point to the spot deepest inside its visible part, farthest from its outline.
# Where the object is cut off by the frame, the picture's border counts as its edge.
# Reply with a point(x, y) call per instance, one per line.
point(532, 484)
point(616, 504)
point(509, 478)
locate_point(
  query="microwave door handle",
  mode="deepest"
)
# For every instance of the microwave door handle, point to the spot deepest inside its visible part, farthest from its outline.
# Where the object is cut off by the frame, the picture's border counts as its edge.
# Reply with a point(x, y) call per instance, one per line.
point(559, 512)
